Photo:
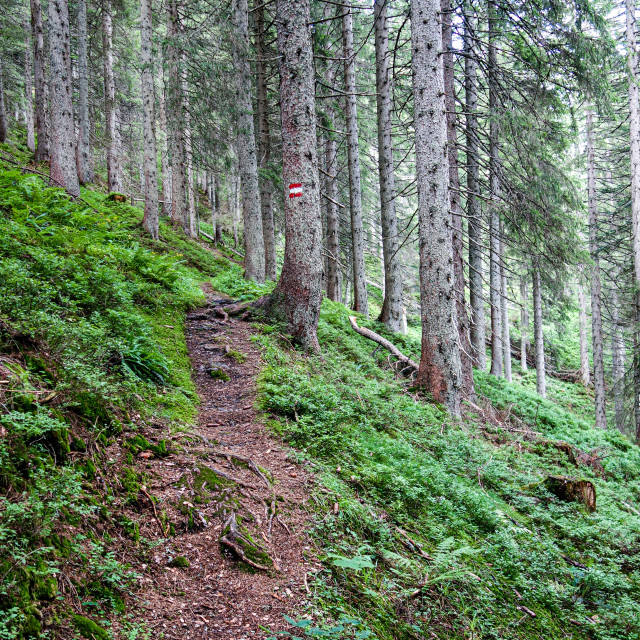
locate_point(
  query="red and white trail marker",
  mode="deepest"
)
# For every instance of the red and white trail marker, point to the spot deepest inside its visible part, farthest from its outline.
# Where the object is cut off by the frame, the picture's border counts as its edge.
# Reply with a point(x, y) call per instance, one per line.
point(295, 190)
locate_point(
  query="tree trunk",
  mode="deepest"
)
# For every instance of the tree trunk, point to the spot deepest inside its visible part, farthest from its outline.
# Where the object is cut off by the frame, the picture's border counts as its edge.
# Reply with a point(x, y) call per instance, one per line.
point(361, 302)
point(298, 294)
point(391, 313)
point(114, 170)
point(28, 89)
point(254, 257)
point(466, 361)
point(506, 337)
point(3, 112)
point(41, 93)
point(175, 114)
point(150, 221)
point(596, 310)
point(618, 351)
point(541, 383)
point(64, 170)
point(524, 322)
point(495, 284)
point(218, 226)
point(164, 152)
point(264, 146)
point(85, 169)
point(192, 203)
point(634, 137)
point(439, 372)
point(585, 368)
point(474, 210)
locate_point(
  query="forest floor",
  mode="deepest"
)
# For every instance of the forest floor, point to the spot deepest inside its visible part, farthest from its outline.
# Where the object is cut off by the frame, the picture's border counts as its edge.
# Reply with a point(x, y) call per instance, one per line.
point(217, 595)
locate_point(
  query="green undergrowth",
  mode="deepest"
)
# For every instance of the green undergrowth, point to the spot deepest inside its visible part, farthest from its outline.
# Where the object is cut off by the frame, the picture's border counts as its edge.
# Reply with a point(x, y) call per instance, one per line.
point(432, 527)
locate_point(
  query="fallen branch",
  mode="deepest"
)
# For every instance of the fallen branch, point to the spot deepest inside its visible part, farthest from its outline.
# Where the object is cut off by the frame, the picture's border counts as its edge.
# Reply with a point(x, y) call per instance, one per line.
point(383, 342)
point(155, 513)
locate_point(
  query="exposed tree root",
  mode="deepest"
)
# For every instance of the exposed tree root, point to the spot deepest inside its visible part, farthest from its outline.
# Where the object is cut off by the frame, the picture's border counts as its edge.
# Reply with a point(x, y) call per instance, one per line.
point(233, 539)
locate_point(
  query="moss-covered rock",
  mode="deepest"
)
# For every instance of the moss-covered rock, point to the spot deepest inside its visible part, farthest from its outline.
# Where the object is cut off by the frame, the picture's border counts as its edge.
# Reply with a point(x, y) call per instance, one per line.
point(89, 629)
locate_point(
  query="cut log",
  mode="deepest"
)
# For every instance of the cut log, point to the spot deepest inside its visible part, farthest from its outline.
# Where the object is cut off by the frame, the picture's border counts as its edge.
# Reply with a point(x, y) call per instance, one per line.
point(572, 490)
point(383, 342)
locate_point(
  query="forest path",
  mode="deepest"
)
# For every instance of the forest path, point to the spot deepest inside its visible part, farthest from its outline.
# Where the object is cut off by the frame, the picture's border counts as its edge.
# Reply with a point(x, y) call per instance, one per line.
point(217, 596)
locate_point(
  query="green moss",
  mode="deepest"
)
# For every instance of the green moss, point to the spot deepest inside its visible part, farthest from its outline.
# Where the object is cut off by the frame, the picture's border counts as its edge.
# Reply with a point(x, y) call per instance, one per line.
point(89, 629)
point(238, 356)
point(219, 374)
point(31, 627)
point(180, 562)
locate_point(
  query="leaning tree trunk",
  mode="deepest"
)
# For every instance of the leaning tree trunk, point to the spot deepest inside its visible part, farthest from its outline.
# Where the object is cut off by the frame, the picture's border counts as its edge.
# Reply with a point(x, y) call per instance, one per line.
point(64, 170)
point(3, 111)
point(264, 146)
point(618, 353)
point(175, 124)
point(634, 137)
point(298, 294)
point(28, 89)
point(596, 294)
point(524, 322)
point(506, 337)
point(541, 383)
point(254, 260)
point(361, 302)
point(85, 170)
point(40, 82)
point(474, 210)
point(585, 368)
point(391, 313)
point(495, 297)
point(466, 361)
point(114, 170)
point(439, 372)
point(150, 221)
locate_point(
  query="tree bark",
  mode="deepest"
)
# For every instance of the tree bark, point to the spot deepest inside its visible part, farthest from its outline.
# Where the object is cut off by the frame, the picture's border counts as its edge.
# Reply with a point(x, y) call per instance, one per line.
point(164, 151)
point(391, 313)
point(264, 146)
point(495, 296)
point(585, 367)
point(466, 361)
point(541, 383)
point(114, 170)
point(64, 170)
point(298, 294)
point(474, 210)
point(618, 352)
point(506, 337)
point(28, 89)
point(361, 302)
point(150, 221)
point(85, 168)
point(596, 295)
point(41, 91)
point(439, 372)
point(192, 213)
point(524, 322)
point(175, 114)
point(3, 112)
point(254, 257)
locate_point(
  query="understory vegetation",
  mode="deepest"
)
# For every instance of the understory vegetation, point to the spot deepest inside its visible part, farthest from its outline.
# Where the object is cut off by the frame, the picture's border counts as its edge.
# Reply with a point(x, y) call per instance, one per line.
point(427, 526)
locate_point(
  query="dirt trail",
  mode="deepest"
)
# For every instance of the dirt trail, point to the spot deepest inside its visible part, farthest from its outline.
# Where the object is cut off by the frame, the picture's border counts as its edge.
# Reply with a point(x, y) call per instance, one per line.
point(217, 596)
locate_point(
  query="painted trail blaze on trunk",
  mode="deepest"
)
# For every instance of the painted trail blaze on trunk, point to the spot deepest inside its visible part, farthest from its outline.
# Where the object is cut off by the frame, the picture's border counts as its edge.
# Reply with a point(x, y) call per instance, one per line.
point(295, 190)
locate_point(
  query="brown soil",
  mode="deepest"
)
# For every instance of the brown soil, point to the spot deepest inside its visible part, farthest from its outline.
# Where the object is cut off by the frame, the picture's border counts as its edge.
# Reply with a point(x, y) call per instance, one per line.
point(218, 595)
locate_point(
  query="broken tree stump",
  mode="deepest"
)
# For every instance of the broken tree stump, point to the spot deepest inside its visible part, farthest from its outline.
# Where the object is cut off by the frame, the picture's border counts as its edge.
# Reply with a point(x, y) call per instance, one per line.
point(572, 490)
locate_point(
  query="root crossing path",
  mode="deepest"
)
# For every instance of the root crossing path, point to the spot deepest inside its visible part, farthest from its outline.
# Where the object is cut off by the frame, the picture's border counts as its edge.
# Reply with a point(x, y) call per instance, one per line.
point(236, 501)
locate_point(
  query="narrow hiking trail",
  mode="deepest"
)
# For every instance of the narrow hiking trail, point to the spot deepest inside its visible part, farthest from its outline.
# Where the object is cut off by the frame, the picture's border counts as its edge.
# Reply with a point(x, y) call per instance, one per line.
point(228, 467)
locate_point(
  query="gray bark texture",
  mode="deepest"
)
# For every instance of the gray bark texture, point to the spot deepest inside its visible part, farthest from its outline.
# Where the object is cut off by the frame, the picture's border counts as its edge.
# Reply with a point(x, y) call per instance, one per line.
point(524, 322)
point(495, 297)
point(264, 146)
point(40, 83)
point(63, 132)
point(541, 383)
point(466, 361)
point(585, 367)
point(114, 170)
point(391, 313)
point(85, 168)
point(298, 294)
point(361, 302)
point(192, 222)
point(3, 110)
point(506, 336)
point(618, 353)
point(254, 260)
point(596, 293)
point(164, 151)
point(175, 124)
point(28, 89)
point(474, 209)
point(150, 221)
point(440, 371)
